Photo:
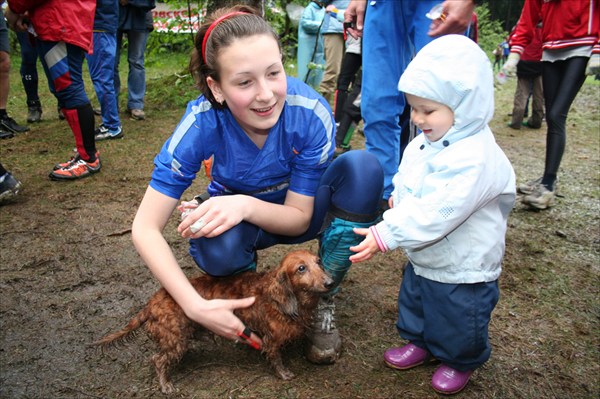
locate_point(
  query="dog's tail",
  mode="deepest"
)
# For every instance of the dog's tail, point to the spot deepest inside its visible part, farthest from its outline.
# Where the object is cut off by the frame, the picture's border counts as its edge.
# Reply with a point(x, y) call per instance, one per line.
point(126, 333)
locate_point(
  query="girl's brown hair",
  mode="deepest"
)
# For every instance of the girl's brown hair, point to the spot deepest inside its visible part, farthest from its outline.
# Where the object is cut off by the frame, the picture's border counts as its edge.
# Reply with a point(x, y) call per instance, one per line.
point(245, 22)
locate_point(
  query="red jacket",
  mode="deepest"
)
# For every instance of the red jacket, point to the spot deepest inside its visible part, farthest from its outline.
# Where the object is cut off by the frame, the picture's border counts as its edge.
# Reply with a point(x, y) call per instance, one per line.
point(533, 51)
point(566, 24)
point(69, 21)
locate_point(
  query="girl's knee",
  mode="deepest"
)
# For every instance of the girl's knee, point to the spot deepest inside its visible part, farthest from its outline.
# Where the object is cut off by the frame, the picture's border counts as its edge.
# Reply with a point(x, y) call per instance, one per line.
point(221, 263)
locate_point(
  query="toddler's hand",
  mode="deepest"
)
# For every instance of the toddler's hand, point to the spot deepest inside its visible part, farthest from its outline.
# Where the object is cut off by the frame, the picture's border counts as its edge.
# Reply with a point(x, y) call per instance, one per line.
point(366, 249)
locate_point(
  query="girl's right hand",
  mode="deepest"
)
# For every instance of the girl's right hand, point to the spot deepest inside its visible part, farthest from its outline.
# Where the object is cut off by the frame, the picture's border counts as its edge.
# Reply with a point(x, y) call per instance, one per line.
point(217, 316)
point(214, 216)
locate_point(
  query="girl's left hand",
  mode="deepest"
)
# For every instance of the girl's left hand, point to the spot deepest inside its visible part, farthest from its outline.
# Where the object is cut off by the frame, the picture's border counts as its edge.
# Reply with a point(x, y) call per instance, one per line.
point(366, 249)
point(213, 217)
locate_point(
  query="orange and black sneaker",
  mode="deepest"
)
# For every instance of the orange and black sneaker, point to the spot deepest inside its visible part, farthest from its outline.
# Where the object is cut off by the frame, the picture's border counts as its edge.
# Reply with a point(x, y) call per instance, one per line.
point(74, 169)
point(70, 161)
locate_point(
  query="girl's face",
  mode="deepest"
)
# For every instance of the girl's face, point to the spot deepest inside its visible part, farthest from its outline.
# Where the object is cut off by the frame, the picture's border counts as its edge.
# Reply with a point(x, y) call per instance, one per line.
point(432, 118)
point(253, 82)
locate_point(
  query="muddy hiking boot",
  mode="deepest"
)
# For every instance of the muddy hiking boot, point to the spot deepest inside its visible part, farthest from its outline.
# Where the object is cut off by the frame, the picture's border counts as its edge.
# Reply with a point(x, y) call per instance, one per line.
point(334, 250)
point(34, 111)
point(324, 342)
point(9, 187)
point(137, 114)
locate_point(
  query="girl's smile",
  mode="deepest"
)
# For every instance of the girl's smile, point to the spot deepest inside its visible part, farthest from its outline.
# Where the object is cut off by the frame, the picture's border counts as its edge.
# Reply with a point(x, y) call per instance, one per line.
point(252, 83)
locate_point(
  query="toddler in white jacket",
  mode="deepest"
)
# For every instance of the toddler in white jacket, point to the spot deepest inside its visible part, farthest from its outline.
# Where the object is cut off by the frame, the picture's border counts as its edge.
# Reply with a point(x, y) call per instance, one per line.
point(453, 192)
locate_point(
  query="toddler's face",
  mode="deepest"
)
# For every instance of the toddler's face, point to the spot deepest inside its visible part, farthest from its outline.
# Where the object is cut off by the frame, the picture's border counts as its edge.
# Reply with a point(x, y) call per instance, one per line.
point(432, 118)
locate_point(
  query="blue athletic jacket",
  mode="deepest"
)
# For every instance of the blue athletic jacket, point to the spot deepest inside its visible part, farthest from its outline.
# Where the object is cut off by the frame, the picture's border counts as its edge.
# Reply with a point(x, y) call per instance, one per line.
point(296, 153)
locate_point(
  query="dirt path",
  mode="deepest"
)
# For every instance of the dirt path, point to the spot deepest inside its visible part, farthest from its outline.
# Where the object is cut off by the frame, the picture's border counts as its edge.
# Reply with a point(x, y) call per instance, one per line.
point(69, 274)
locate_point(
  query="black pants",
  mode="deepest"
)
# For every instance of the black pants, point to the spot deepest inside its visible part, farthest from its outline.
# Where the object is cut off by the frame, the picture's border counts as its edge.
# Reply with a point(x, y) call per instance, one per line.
point(562, 81)
point(350, 66)
point(345, 111)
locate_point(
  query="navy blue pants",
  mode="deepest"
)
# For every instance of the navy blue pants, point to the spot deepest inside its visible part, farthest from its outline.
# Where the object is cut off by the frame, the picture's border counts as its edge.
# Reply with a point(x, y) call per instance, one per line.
point(28, 69)
point(350, 188)
point(449, 320)
point(63, 64)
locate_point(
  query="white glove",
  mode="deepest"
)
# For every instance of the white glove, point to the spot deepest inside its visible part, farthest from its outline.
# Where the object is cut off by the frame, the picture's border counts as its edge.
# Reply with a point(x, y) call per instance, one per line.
point(510, 66)
point(593, 65)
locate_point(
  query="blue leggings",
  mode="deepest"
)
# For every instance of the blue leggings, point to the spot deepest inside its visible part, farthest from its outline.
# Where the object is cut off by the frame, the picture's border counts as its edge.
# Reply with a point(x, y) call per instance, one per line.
point(350, 189)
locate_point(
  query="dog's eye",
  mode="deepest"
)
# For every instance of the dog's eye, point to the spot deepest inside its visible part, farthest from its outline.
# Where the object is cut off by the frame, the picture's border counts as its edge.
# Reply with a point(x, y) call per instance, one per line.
point(301, 268)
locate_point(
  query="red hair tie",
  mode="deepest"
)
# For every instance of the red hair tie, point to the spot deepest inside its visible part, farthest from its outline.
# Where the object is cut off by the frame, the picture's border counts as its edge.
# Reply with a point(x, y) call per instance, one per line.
point(212, 26)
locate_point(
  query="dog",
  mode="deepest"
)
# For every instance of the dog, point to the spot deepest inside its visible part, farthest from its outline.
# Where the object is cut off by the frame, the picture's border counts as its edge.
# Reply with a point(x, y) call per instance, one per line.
point(286, 299)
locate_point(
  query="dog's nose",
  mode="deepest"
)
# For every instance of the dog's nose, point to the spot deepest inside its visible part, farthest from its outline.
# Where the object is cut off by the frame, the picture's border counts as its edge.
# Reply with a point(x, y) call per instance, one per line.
point(329, 283)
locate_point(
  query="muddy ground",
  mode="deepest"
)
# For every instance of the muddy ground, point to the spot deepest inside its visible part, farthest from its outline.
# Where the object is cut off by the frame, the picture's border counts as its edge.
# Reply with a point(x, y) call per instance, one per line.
point(69, 274)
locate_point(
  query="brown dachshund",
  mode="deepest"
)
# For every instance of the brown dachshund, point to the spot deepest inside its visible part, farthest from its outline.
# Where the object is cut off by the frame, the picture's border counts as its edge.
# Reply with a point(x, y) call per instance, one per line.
point(286, 298)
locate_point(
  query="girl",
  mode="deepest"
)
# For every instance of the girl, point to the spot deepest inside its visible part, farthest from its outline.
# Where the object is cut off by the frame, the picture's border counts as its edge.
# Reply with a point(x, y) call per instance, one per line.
point(570, 44)
point(452, 195)
point(270, 140)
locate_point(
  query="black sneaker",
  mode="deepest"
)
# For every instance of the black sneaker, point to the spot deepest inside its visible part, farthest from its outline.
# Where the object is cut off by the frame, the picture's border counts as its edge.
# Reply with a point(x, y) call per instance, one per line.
point(9, 187)
point(5, 134)
point(8, 124)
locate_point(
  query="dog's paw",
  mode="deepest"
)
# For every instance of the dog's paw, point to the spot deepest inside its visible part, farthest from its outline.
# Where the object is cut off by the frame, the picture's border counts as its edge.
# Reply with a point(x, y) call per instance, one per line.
point(285, 374)
point(167, 388)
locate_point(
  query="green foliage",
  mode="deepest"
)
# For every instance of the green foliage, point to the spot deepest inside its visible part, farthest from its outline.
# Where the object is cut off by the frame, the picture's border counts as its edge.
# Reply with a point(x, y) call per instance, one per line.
point(171, 83)
point(490, 31)
point(165, 43)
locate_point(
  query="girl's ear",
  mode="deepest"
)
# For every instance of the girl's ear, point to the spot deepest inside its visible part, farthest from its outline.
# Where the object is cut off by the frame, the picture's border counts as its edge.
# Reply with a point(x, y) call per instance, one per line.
point(215, 89)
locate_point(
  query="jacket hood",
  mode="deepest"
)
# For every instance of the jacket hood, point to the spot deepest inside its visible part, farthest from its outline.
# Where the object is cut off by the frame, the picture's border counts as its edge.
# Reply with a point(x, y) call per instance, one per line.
point(454, 71)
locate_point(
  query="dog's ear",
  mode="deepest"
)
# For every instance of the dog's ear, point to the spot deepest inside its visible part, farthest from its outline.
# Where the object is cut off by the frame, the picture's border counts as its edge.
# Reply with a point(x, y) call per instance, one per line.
point(282, 293)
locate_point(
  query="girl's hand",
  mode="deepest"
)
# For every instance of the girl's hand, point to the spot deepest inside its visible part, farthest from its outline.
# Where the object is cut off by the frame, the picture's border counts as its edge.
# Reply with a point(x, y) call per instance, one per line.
point(217, 316)
point(187, 207)
point(214, 216)
point(366, 249)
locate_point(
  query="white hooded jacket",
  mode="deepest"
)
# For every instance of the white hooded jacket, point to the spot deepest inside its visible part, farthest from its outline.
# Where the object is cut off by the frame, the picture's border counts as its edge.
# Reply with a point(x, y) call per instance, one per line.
point(452, 197)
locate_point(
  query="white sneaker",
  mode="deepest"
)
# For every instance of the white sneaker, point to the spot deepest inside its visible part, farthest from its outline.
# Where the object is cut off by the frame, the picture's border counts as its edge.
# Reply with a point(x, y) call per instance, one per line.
point(540, 198)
